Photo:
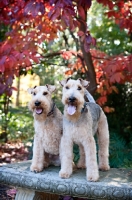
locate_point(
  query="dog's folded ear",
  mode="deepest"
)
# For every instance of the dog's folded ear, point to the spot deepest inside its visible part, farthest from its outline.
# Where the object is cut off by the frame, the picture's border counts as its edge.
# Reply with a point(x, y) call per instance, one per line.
point(63, 82)
point(84, 83)
point(51, 88)
point(30, 90)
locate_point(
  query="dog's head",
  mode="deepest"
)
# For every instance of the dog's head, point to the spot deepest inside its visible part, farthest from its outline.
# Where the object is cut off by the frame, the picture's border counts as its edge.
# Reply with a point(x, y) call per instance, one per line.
point(41, 102)
point(73, 94)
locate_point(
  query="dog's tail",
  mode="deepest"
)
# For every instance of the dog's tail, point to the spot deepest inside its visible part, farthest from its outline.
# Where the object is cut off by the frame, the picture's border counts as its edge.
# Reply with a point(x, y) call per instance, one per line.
point(89, 97)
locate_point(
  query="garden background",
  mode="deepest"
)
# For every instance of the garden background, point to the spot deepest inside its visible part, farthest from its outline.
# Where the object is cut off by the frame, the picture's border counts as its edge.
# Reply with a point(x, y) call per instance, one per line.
point(43, 42)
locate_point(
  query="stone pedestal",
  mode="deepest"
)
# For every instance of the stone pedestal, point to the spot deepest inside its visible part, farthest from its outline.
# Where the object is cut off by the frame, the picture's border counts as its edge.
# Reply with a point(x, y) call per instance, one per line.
point(46, 185)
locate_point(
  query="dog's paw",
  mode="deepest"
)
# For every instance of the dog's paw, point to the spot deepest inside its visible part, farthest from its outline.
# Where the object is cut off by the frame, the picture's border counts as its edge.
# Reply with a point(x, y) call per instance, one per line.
point(104, 167)
point(63, 174)
point(93, 176)
point(36, 168)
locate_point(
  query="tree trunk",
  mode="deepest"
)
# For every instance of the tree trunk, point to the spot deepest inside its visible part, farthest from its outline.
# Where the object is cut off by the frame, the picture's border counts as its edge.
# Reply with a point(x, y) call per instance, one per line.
point(18, 91)
point(90, 72)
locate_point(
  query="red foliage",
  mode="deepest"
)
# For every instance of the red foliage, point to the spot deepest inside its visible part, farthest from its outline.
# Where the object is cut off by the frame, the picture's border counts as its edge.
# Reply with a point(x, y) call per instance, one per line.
point(121, 11)
point(34, 21)
point(110, 70)
point(28, 29)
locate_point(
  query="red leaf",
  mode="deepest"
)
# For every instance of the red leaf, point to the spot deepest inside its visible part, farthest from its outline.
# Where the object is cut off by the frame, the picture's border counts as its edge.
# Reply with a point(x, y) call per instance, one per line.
point(130, 63)
point(130, 67)
point(102, 100)
point(80, 33)
point(56, 14)
point(8, 92)
point(6, 48)
point(69, 72)
point(27, 61)
point(63, 22)
point(9, 80)
point(88, 39)
point(2, 60)
point(81, 12)
point(76, 23)
point(108, 109)
point(2, 88)
point(52, 11)
point(35, 59)
point(14, 88)
point(66, 55)
point(11, 61)
point(67, 19)
point(117, 77)
point(2, 68)
point(85, 3)
point(115, 89)
point(93, 41)
point(33, 7)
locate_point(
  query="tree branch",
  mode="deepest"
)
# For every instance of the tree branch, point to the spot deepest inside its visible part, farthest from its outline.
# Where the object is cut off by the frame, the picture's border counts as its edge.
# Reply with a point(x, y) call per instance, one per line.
point(75, 39)
point(52, 54)
point(99, 57)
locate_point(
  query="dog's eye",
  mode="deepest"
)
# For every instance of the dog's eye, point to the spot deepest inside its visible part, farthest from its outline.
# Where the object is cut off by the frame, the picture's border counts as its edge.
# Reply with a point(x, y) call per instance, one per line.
point(34, 93)
point(45, 93)
point(67, 87)
point(79, 88)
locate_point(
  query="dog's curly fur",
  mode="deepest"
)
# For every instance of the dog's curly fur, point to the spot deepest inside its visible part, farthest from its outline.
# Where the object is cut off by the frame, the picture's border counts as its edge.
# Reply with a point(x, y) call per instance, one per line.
point(80, 122)
point(48, 127)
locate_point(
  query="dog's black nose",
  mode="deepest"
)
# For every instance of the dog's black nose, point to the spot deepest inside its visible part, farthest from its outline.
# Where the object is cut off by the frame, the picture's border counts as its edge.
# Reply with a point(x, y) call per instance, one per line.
point(37, 103)
point(72, 99)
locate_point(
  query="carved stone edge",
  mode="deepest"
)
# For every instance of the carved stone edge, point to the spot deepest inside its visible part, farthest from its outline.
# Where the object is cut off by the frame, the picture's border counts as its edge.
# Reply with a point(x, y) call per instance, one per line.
point(91, 190)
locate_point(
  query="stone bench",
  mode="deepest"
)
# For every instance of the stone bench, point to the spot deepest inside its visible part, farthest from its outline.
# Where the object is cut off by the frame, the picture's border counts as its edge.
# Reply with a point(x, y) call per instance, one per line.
point(114, 184)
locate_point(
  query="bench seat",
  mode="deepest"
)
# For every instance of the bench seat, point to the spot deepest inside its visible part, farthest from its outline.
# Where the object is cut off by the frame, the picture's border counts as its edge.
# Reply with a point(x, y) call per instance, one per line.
point(46, 185)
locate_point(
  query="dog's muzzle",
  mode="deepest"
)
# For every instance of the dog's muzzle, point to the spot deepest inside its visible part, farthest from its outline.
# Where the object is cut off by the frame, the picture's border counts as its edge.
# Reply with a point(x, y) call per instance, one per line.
point(71, 105)
point(38, 108)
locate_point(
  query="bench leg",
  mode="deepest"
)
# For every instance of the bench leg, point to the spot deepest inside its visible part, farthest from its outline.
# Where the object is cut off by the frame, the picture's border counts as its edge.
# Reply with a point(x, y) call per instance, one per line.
point(24, 194)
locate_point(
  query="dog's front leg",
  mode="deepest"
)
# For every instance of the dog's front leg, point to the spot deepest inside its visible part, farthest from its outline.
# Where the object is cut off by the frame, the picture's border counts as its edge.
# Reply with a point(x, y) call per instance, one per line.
point(81, 162)
point(38, 155)
point(66, 156)
point(91, 160)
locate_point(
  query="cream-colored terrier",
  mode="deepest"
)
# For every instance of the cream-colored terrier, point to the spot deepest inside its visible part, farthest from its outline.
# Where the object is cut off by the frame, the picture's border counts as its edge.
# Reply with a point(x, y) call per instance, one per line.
point(48, 127)
point(80, 122)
